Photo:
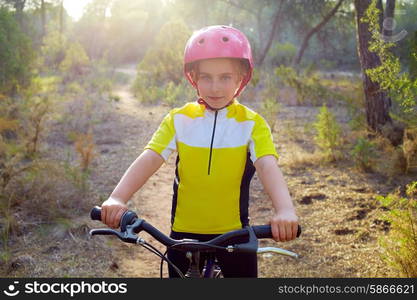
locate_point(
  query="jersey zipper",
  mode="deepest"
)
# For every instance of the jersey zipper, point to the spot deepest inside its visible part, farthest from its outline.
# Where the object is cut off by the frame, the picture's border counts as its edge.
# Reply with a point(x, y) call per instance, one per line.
point(212, 139)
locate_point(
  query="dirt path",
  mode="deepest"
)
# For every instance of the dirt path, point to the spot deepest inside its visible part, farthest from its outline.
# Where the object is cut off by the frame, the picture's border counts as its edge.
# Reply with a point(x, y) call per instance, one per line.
point(336, 206)
point(153, 201)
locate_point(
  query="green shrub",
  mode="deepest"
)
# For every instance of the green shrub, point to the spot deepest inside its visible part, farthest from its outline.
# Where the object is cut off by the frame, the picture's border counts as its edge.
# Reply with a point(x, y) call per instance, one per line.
point(164, 59)
point(74, 88)
point(146, 91)
point(269, 110)
point(282, 53)
point(16, 55)
point(115, 98)
point(308, 85)
point(363, 154)
point(400, 244)
point(21, 127)
point(75, 62)
point(171, 94)
point(162, 63)
point(53, 49)
point(270, 106)
point(328, 137)
point(177, 94)
point(413, 57)
point(96, 78)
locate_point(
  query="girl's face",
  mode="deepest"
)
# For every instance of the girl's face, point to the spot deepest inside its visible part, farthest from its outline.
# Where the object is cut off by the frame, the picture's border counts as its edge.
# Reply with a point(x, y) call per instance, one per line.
point(218, 80)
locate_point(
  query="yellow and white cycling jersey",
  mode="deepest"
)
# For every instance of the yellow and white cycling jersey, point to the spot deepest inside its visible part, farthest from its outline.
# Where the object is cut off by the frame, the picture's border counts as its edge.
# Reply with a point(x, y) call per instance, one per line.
point(216, 151)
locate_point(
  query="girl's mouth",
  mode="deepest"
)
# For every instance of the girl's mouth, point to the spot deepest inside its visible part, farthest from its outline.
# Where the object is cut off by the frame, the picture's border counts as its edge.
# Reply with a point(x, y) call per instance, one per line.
point(215, 98)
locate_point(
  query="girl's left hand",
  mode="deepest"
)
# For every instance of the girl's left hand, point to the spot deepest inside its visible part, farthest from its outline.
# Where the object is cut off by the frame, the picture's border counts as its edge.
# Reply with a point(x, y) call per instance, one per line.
point(284, 226)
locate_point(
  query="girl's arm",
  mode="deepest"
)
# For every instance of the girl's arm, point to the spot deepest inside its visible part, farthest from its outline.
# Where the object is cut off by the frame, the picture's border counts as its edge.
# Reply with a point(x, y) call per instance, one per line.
point(284, 222)
point(133, 179)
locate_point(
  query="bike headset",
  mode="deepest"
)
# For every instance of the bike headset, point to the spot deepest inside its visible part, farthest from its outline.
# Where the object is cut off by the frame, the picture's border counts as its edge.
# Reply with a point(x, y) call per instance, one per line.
point(218, 41)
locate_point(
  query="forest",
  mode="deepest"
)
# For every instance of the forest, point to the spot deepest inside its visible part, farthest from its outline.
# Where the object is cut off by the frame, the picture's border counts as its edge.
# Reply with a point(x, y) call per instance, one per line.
point(81, 95)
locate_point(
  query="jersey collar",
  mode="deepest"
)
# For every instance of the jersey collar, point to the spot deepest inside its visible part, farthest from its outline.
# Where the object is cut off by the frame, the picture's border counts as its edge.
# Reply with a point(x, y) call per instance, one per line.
point(228, 109)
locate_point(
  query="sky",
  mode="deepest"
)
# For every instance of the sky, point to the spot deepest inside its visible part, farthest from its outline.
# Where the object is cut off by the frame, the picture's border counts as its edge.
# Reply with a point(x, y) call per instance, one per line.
point(75, 7)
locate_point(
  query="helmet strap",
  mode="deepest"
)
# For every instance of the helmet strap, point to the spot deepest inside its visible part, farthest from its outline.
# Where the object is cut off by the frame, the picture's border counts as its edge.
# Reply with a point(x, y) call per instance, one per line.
point(201, 101)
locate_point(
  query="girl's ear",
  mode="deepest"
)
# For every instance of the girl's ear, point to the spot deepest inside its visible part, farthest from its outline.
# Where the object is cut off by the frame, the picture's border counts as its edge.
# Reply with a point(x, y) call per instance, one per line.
point(242, 76)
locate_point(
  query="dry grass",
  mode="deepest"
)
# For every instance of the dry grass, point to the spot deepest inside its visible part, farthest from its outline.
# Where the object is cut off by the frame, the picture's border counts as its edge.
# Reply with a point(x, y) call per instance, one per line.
point(340, 227)
point(60, 250)
point(297, 157)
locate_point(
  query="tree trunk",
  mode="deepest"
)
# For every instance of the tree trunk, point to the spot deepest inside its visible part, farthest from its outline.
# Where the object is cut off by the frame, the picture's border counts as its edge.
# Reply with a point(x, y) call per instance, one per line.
point(377, 103)
point(381, 15)
point(275, 25)
point(388, 24)
point(314, 30)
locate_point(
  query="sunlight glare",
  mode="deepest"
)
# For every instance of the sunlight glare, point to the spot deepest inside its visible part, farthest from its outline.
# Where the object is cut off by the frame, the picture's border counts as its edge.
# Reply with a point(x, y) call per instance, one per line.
point(75, 8)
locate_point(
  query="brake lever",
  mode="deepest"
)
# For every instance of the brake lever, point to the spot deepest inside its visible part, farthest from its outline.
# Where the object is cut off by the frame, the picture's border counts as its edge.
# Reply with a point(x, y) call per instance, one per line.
point(106, 231)
point(127, 236)
point(130, 235)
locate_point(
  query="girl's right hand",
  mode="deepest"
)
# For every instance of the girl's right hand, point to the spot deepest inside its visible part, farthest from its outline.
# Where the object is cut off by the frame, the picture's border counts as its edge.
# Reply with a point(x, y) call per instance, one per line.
point(111, 212)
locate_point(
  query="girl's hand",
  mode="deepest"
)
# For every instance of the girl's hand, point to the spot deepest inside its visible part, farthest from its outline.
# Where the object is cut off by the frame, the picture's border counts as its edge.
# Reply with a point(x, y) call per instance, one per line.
point(112, 211)
point(284, 226)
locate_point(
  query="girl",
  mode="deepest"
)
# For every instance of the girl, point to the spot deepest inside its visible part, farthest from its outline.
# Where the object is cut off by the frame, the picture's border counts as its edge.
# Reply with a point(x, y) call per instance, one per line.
point(219, 144)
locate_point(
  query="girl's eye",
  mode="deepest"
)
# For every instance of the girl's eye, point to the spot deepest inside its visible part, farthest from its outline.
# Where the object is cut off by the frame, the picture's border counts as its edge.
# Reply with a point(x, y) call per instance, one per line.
point(226, 77)
point(204, 77)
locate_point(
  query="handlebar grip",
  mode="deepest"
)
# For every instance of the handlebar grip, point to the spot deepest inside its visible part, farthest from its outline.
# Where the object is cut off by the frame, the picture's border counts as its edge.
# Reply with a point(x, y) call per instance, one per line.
point(129, 217)
point(95, 213)
point(264, 231)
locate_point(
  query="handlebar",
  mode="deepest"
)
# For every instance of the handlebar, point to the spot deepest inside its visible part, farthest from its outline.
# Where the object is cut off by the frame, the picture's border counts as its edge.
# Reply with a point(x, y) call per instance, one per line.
point(131, 224)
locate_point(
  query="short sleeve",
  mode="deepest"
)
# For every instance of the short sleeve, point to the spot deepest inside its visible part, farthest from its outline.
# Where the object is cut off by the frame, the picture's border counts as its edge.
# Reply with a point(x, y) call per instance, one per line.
point(261, 142)
point(163, 140)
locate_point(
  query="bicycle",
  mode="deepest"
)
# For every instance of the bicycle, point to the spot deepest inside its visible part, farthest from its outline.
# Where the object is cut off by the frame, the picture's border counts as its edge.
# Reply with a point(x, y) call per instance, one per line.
point(131, 225)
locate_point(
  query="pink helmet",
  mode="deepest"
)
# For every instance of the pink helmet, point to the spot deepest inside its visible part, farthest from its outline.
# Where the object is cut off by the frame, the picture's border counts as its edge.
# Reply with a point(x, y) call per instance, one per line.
point(216, 42)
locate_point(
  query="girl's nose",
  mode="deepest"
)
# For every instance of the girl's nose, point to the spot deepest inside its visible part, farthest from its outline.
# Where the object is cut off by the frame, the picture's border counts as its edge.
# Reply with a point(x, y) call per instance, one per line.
point(216, 86)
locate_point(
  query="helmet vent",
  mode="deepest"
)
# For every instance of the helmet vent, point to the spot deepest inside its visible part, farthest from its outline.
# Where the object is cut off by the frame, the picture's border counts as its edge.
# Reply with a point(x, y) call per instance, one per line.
point(201, 41)
point(225, 39)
